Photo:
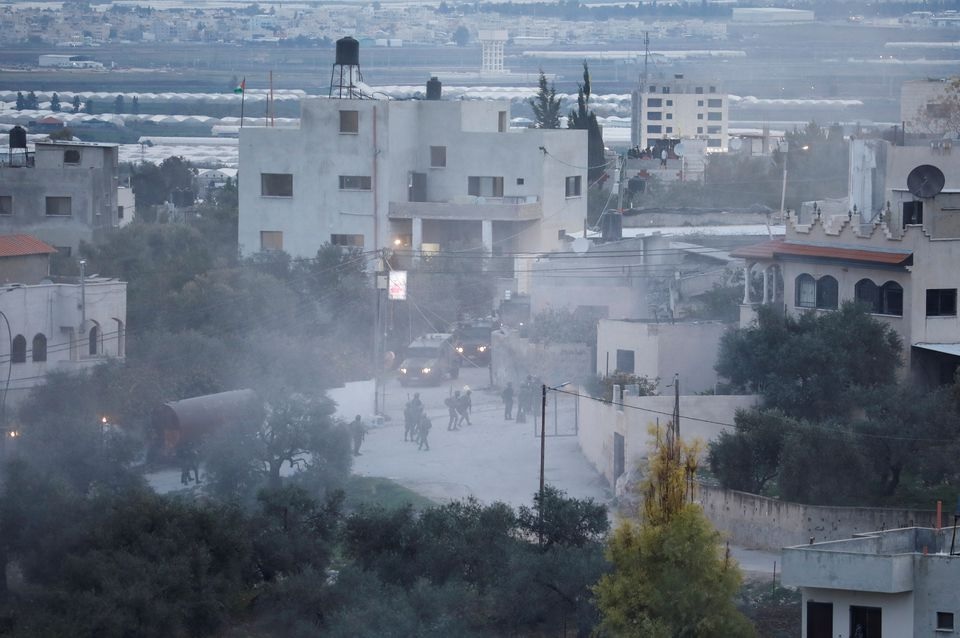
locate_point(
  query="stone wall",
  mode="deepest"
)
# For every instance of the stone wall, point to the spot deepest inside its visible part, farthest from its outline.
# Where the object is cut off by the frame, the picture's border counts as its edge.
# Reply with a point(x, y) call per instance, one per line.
point(760, 522)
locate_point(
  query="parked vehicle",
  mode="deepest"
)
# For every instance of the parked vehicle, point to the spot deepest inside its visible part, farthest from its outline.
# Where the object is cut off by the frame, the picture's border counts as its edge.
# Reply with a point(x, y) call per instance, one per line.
point(429, 360)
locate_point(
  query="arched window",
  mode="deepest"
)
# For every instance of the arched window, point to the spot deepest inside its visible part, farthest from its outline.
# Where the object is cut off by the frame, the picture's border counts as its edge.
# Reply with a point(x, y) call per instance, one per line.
point(18, 350)
point(891, 299)
point(827, 293)
point(867, 293)
point(94, 340)
point(39, 347)
point(806, 291)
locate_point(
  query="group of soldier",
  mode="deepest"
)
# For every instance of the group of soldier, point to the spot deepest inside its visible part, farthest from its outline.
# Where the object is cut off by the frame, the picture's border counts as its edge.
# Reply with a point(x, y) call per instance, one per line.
point(526, 398)
point(416, 423)
point(459, 407)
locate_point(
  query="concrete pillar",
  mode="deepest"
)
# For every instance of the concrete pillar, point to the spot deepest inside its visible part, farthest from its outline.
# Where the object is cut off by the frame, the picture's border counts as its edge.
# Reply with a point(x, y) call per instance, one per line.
point(486, 235)
point(766, 285)
point(746, 283)
point(416, 240)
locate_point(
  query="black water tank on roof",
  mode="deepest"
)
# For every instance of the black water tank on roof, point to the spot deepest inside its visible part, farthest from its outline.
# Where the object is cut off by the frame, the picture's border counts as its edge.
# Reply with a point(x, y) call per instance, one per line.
point(18, 137)
point(348, 52)
point(611, 226)
point(434, 88)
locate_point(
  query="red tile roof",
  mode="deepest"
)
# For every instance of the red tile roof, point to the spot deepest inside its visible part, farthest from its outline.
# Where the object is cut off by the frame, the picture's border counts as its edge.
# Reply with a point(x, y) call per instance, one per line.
point(778, 247)
point(19, 245)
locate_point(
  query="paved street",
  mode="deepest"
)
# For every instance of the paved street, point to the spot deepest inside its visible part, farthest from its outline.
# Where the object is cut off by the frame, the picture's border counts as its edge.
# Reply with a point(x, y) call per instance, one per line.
point(493, 459)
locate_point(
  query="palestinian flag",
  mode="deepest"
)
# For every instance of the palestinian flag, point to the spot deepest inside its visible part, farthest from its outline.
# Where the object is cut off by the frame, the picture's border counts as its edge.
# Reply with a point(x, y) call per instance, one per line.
point(241, 87)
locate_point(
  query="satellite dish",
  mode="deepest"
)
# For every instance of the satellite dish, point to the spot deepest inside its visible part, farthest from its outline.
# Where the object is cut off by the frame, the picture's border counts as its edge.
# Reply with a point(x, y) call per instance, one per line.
point(580, 245)
point(679, 149)
point(735, 144)
point(925, 181)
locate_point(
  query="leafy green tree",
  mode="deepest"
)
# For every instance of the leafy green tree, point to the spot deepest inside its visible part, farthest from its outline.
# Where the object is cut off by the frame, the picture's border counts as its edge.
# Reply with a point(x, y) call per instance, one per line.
point(461, 36)
point(76, 103)
point(21, 101)
point(118, 104)
point(823, 463)
point(88, 106)
point(670, 577)
point(807, 366)
point(296, 431)
point(546, 106)
point(32, 101)
point(749, 458)
point(55, 103)
point(585, 119)
point(135, 105)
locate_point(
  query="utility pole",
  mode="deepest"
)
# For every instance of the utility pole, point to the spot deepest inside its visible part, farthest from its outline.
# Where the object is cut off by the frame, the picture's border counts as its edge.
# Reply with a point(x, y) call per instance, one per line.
point(543, 437)
point(379, 284)
point(83, 297)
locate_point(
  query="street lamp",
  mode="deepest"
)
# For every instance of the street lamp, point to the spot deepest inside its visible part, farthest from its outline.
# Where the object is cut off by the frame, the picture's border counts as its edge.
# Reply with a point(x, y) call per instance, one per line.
point(783, 189)
point(83, 296)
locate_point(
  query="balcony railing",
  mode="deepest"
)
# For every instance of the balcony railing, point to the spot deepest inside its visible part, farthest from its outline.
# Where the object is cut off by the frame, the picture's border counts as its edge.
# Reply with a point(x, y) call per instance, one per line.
point(469, 207)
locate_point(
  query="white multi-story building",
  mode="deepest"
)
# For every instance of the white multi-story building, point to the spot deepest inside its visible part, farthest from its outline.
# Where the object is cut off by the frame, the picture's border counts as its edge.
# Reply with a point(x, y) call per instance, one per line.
point(54, 326)
point(423, 175)
point(899, 582)
point(679, 109)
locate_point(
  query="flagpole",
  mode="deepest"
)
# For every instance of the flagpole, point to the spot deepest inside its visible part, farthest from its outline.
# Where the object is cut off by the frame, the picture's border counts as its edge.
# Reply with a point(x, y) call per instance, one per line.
point(243, 95)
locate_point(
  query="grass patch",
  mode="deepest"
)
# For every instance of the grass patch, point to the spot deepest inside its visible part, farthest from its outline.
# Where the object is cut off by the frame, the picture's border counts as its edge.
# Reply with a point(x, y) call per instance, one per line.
point(375, 490)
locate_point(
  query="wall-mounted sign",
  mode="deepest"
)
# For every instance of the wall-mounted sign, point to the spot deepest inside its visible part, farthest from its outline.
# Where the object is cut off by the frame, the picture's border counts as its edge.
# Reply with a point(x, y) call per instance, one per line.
point(397, 287)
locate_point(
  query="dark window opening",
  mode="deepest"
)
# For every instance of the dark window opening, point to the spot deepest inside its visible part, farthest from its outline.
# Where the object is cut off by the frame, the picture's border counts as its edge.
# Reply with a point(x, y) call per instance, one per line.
point(945, 620)
point(654, 128)
point(276, 184)
point(485, 186)
point(891, 299)
point(942, 302)
point(349, 121)
point(6, 205)
point(806, 291)
point(519, 181)
point(819, 620)
point(347, 240)
point(827, 293)
point(18, 349)
point(654, 115)
point(355, 183)
point(271, 240)
point(715, 103)
point(866, 622)
point(71, 156)
point(912, 213)
point(654, 102)
point(698, 90)
point(59, 206)
point(94, 340)
point(438, 156)
point(39, 348)
point(572, 187)
point(625, 361)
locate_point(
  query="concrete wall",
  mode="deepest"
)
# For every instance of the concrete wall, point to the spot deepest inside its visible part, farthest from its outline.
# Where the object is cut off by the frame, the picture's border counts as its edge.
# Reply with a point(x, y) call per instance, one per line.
point(758, 521)
point(663, 349)
point(515, 357)
point(24, 269)
point(599, 421)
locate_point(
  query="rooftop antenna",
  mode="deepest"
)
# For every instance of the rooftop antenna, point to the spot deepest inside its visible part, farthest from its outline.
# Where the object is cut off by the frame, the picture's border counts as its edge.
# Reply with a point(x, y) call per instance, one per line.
point(646, 58)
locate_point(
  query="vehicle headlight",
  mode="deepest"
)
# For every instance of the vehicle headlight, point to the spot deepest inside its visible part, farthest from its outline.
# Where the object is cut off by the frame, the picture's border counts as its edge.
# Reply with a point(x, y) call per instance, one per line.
point(425, 370)
point(403, 370)
point(460, 349)
point(481, 348)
